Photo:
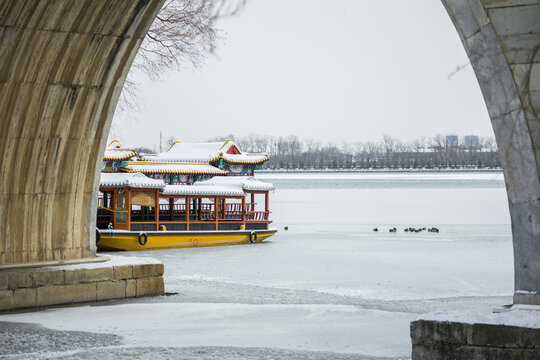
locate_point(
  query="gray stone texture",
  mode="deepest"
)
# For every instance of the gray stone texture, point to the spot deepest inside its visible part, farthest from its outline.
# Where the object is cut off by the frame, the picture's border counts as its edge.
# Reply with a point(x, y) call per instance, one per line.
point(63, 64)
point(452, 340)
point(36, 287)
point(502, 39)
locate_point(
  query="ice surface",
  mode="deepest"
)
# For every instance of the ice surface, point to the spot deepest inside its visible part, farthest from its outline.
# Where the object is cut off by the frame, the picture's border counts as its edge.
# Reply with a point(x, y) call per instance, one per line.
point(327, 286)
point(518, 316)
point(334, 328)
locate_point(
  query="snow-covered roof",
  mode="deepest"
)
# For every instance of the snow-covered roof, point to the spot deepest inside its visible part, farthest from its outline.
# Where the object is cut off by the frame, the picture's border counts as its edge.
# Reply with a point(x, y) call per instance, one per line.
point(204, 153)
point(148, 167)
point(135, 180)
point(191, 152)
point(248, 183)
point(114, 151)
point(245, 158)
point(191, 190)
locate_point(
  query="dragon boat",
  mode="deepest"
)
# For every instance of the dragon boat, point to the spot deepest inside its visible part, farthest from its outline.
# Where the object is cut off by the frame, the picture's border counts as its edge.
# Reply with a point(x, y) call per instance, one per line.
point(155, 204)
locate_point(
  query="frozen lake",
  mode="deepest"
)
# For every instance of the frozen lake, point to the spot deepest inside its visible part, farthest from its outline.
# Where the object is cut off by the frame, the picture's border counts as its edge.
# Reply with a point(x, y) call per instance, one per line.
point(329, 287)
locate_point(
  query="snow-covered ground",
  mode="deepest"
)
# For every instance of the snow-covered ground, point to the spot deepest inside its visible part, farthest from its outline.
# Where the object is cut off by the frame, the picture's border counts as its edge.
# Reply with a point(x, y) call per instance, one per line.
point(329, 287)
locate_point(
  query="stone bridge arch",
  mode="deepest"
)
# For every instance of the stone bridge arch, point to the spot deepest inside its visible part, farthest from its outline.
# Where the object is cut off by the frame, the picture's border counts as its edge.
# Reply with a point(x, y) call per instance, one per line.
point(63, 64)
point(62, 67)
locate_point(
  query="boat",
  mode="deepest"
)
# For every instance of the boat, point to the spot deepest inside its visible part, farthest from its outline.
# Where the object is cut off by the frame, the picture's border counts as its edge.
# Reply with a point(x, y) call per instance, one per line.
point(152, 204)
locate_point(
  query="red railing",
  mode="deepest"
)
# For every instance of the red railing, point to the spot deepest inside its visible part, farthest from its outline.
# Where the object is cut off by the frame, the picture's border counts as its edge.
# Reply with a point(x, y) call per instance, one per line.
point(257, 215)
point(233, 212)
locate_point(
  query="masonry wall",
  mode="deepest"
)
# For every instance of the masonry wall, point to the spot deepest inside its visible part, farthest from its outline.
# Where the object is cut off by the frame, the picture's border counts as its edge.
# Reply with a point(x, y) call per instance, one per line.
point(38, 287)
point(62, 67)
point(502, 40)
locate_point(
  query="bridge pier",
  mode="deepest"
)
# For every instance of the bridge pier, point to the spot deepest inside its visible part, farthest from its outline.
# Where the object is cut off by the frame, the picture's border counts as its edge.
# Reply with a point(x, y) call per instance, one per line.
point(63, 64)
point(502, 40)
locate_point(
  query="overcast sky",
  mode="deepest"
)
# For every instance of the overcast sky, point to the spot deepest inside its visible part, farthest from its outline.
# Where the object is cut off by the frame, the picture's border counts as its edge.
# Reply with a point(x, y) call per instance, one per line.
point(345, 70)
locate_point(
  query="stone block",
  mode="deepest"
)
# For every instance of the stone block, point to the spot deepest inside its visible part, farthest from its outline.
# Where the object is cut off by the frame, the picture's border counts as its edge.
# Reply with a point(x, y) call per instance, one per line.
point(24, 297)
point(468, 16)
point(506, 3)
point(4, 280)
point(520, 48)
point(520, 170)
point(20, 279)
point(88, 275)
point(150, 286)
point(47, 277)
point(146, 270)
point(529, 339)
point(131, 288)
point(123, 272)
point(63, 294)
point(494, 335)
point(6, 299)
point(107, 290)
point(441, 340)
point(516, 20)
point(492, 72)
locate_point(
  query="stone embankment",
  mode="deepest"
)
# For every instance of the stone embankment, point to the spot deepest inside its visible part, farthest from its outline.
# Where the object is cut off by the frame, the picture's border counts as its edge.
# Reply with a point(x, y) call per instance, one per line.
point(446, 340)
point(117, 278)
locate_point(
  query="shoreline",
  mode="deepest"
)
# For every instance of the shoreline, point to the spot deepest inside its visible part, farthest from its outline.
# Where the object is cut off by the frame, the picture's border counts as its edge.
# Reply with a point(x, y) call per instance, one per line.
point(370, 171)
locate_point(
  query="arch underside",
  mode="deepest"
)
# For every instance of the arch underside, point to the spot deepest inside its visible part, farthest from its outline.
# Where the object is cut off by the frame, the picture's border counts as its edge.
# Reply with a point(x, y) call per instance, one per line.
point(62, 67)
point(502, 40)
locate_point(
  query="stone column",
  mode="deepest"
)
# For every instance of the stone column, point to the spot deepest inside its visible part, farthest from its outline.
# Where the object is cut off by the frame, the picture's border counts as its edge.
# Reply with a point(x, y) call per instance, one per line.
point(502, 40)
point(62, 67)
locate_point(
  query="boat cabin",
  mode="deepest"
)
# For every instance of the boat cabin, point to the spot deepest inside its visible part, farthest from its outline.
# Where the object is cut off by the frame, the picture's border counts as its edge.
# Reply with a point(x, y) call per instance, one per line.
point(135, 202)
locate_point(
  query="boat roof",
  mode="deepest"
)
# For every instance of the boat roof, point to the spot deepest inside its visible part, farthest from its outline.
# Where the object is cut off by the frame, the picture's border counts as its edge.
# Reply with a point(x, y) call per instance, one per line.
point(191, 152)
point(171, 168)
point(205, 153)
point(245, 158)
point(114, 151)
point(217, 186)
point(133, 180)
point(190, 190)
point(248, 183)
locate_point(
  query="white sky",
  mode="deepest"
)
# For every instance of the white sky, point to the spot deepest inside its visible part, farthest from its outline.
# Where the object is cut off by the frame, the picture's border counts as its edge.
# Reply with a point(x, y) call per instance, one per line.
point(345, 70)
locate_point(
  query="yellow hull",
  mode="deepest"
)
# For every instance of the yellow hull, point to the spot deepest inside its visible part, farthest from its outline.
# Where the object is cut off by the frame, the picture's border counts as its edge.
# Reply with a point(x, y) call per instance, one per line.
point(129, 240)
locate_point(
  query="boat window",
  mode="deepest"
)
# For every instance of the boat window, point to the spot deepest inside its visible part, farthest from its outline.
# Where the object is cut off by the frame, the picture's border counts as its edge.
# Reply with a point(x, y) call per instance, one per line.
point(119, 206)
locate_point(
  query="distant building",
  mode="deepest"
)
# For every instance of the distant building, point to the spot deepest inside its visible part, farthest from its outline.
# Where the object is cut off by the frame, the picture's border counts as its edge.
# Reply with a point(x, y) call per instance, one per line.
point(452, 141)
point(470, 141)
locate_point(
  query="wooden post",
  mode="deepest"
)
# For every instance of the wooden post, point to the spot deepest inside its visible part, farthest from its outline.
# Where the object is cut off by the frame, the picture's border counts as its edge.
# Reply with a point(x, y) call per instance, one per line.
point(252, 208)
point(266, 207)
point(157, 209)
point(113, 206)
point(171, 208)
point(223, 209)
point(188, 210)
point(128, 208)
point(216, 211)
point(244, 210)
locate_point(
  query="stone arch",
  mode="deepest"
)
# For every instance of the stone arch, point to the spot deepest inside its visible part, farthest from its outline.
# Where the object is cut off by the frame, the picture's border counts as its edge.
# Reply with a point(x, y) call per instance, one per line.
point(502, 40)
point(62, 67)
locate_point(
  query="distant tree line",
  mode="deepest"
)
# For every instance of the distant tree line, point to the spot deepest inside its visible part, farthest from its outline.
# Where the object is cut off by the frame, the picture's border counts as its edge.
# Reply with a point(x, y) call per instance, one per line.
point(290, 152)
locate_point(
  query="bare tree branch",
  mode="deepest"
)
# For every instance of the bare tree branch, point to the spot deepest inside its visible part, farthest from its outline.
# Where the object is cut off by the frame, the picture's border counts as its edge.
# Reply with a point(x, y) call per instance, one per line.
point(184, 32)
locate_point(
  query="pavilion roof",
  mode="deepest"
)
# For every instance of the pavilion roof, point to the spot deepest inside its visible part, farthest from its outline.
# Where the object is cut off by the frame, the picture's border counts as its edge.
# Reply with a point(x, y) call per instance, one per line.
point(205, 153)
point(148, 167)
point(135, 180)
point(192, 190)
point(248, 183)
point(114, 151)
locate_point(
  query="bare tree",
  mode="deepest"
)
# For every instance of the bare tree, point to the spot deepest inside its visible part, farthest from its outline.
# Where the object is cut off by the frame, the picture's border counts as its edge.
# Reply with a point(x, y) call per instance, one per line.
point(184, 31)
